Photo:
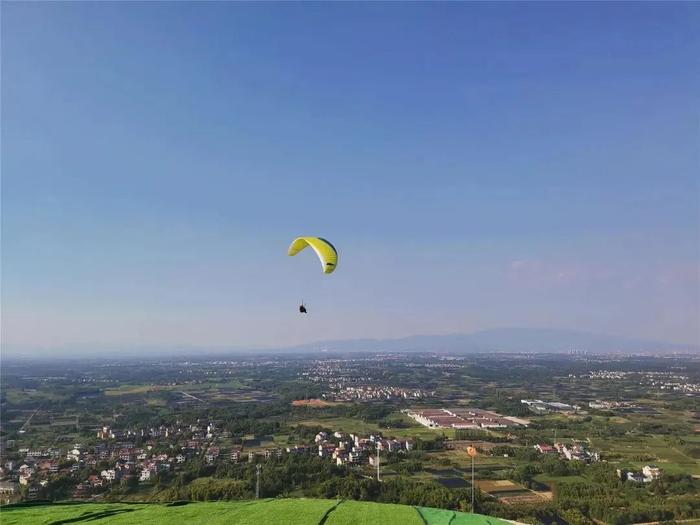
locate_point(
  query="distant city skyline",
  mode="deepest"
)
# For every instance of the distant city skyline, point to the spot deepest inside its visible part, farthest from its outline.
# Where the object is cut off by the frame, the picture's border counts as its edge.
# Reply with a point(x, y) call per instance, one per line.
point(476, 165)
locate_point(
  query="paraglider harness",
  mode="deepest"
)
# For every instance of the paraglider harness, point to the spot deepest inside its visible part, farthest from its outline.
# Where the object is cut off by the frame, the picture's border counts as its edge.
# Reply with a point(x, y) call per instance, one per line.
point(302, 308)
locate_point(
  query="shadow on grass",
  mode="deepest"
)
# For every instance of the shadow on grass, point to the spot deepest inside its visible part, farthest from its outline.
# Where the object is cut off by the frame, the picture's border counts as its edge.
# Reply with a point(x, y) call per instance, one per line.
point(92, 516)
point(326, 514)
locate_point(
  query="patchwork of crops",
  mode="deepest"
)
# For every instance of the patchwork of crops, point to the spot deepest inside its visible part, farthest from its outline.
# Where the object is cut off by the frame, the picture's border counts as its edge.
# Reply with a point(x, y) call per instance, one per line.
point(289, 511)
point(497, 486)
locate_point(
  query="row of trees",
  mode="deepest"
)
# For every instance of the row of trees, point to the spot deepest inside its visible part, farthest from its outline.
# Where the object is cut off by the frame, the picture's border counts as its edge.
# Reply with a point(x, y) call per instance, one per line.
point(621, 503)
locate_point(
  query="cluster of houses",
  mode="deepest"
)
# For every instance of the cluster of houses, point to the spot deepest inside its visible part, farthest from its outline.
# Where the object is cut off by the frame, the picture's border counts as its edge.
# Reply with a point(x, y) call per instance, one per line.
point(353, 380)
point(35, 468)
point(607, 374)
point(352, 449)
point(661, 380)
point(369, 393)
point(648, 474)
point(336, 373)
point(33, 472)
point(140, 456)
point(572, 452)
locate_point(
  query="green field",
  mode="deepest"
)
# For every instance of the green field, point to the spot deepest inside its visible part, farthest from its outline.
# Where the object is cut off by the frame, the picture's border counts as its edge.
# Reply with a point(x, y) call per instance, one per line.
point(659, 449)
point(288, 511)
point(553, 480)
point(127, 389)
point(360, 513)
point(19, 396)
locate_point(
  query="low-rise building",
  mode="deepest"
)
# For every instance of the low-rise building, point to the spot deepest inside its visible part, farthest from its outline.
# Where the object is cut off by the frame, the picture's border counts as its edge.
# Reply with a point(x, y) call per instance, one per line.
point(651, 472)
point(109, 475)
point(8, 488)
point(212, 454)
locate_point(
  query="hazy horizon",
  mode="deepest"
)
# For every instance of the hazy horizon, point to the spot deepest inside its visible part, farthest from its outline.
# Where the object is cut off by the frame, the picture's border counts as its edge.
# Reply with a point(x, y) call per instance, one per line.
point(476, 165)
point(565, 342)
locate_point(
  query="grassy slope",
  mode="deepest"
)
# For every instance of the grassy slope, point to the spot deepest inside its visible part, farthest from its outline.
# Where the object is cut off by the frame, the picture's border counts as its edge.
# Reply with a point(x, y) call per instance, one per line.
point(448, 517)
point(296, 512)
point(289, 511)
point(360, 513)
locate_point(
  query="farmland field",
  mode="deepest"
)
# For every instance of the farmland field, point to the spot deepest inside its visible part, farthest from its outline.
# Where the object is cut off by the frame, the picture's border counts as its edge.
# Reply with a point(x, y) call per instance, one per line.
point(500, 485)
point(135, 389)
point(549, 480)
point(669, 455)
point(312, 403)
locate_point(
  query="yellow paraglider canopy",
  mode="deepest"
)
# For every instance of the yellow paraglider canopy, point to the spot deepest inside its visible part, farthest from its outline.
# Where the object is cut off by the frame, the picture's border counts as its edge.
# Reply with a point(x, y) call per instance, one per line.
point(325, 250)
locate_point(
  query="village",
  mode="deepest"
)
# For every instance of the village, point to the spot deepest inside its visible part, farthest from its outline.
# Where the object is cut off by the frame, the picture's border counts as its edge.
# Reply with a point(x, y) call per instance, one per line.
point(654, 380)
point(371, 393)
point(353, 380)
point(573, 452)
point(140, 456)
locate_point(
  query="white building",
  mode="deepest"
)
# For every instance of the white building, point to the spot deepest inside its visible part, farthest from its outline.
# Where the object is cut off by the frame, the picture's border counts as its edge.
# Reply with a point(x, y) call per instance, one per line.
point(109, 475)
point(651, 472)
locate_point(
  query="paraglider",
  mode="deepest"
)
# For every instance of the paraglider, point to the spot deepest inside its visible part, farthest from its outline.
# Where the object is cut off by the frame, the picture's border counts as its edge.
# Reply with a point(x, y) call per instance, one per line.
point(325, 251)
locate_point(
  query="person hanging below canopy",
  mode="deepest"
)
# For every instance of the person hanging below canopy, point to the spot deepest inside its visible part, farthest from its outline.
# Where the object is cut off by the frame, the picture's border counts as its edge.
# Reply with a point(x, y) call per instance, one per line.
point(325, 251)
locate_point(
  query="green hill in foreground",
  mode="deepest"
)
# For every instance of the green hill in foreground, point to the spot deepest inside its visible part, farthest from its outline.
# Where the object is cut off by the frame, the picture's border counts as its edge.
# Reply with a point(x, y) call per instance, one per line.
point(261, 512)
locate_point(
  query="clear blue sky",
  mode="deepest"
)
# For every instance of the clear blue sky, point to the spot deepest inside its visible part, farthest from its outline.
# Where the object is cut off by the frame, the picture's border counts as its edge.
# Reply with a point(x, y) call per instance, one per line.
point(477, 165)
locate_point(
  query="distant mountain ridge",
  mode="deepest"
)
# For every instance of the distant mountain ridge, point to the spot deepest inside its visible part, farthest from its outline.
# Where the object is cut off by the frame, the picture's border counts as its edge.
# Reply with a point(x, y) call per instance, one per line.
point(505, 340)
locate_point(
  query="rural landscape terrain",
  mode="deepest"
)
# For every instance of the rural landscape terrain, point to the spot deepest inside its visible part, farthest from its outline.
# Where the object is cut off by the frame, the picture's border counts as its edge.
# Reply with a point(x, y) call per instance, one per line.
point(576, 438)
